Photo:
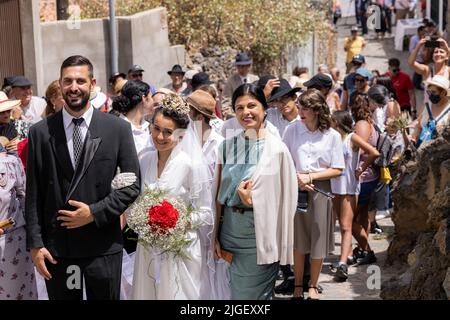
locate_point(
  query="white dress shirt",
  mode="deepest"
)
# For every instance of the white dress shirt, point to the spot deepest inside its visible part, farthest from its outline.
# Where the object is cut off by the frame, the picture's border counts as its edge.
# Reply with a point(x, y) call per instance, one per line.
point(314, 151)
point(216, 124)
point(211, 149)
point(231, 128)
point(33, 112)
point(69, 125)
point(141, 136)
point(276, 118)
point(180, 91)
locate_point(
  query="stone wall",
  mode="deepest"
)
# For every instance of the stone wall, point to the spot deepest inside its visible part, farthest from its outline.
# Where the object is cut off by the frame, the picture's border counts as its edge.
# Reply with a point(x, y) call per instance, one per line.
point(218, 61)
point(421, 244)
point(142, 39)
point(90, 40)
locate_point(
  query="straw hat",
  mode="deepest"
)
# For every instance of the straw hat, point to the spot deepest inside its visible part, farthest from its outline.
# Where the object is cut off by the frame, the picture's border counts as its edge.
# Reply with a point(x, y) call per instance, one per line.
point(4, 141)
point(119, 85)
point(6, 103)
point(203, 102)
point(440, 82)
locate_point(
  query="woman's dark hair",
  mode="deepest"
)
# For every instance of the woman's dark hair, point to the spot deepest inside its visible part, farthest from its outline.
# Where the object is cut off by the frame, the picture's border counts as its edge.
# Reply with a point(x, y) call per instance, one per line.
point(130, 96)
point(298, 71)
point(249, 89)
point(386, 82)
point(315, 100)
point(379, 94)
point(360, 109)
point(168, 108)
point(344, 120)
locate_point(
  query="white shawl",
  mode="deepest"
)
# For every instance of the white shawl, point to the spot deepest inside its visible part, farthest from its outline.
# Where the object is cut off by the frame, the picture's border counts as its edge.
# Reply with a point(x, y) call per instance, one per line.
point(274, 196)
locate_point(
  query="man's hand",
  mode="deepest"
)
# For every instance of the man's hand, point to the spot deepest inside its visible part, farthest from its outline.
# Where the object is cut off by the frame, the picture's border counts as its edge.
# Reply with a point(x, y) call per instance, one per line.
point(78, 218)
point(38, 255)
point(1, 231)
point(270, 85)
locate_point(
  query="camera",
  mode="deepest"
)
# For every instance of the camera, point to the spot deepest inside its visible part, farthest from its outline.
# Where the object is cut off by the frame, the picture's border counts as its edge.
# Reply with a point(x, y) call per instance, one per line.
point(302, 202)
point(433, 42)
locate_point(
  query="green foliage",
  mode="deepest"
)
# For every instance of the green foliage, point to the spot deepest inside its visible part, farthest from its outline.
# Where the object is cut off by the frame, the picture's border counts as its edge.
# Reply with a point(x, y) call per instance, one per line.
point(262, 27)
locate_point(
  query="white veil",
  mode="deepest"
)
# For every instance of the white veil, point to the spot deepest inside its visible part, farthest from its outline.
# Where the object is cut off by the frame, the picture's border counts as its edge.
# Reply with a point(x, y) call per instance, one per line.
point(202, 199)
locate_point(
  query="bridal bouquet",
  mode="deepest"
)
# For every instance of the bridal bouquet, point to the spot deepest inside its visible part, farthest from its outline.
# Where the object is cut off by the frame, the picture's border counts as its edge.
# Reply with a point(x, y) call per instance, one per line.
point(160, 221)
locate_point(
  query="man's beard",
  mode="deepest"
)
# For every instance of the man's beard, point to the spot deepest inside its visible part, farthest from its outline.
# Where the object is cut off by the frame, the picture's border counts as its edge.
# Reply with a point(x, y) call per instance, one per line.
point(77, 106)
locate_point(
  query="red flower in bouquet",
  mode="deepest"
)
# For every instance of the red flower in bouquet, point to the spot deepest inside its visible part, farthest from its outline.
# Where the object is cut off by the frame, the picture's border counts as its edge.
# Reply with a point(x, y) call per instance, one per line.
point(162, 217)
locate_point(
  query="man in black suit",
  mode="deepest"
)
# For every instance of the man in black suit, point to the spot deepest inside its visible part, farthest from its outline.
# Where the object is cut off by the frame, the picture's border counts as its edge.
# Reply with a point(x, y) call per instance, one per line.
point(72, 214)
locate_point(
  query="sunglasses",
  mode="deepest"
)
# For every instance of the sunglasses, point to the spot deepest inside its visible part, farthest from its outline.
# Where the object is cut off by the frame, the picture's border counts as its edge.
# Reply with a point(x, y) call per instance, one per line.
point(360, 79)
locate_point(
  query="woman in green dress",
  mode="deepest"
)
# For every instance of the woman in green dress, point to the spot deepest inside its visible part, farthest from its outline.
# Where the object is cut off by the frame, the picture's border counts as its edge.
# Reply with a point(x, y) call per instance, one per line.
point(256, 200)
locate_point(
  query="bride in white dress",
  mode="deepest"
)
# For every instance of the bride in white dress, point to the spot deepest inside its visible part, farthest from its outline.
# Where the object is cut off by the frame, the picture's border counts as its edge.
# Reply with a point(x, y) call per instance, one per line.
point(176, 165)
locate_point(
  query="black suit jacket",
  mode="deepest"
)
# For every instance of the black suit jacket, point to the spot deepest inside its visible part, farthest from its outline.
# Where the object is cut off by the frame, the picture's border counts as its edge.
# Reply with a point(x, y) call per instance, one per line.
point(52, 182)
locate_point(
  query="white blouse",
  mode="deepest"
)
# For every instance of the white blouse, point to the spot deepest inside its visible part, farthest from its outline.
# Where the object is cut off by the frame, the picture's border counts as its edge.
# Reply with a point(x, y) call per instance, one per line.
point(211, 149)
point(276, 118)
point(314, 151)
point(141, 136)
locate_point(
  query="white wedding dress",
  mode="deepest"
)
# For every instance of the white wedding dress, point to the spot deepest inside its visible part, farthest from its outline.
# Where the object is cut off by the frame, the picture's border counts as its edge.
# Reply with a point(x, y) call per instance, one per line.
point(166, 276)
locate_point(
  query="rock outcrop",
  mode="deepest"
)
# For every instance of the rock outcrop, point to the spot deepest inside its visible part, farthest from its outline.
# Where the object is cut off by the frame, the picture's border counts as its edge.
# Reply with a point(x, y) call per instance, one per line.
point(420, 248)
point(217, 62)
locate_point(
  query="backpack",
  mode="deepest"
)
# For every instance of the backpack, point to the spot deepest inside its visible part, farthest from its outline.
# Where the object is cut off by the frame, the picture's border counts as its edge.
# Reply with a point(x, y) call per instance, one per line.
point(338, 13)
point(385, 148)
point(429, 130)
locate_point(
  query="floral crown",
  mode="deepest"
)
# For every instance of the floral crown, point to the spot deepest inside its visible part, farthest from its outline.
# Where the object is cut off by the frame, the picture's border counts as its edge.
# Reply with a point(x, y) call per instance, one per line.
point(175, 103)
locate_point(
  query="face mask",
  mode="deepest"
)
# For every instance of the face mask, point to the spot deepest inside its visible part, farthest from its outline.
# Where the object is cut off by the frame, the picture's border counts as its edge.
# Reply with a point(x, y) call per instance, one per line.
point(434, 98)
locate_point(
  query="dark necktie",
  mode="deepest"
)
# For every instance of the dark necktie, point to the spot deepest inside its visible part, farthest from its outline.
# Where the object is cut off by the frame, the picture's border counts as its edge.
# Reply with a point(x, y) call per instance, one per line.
point(77, 139)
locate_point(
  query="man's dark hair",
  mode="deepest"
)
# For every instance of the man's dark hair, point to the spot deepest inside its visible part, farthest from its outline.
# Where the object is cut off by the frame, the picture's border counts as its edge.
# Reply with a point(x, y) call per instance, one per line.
point(430, 24)
point(421, 28)
point(74, 61)
point(394, 62)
